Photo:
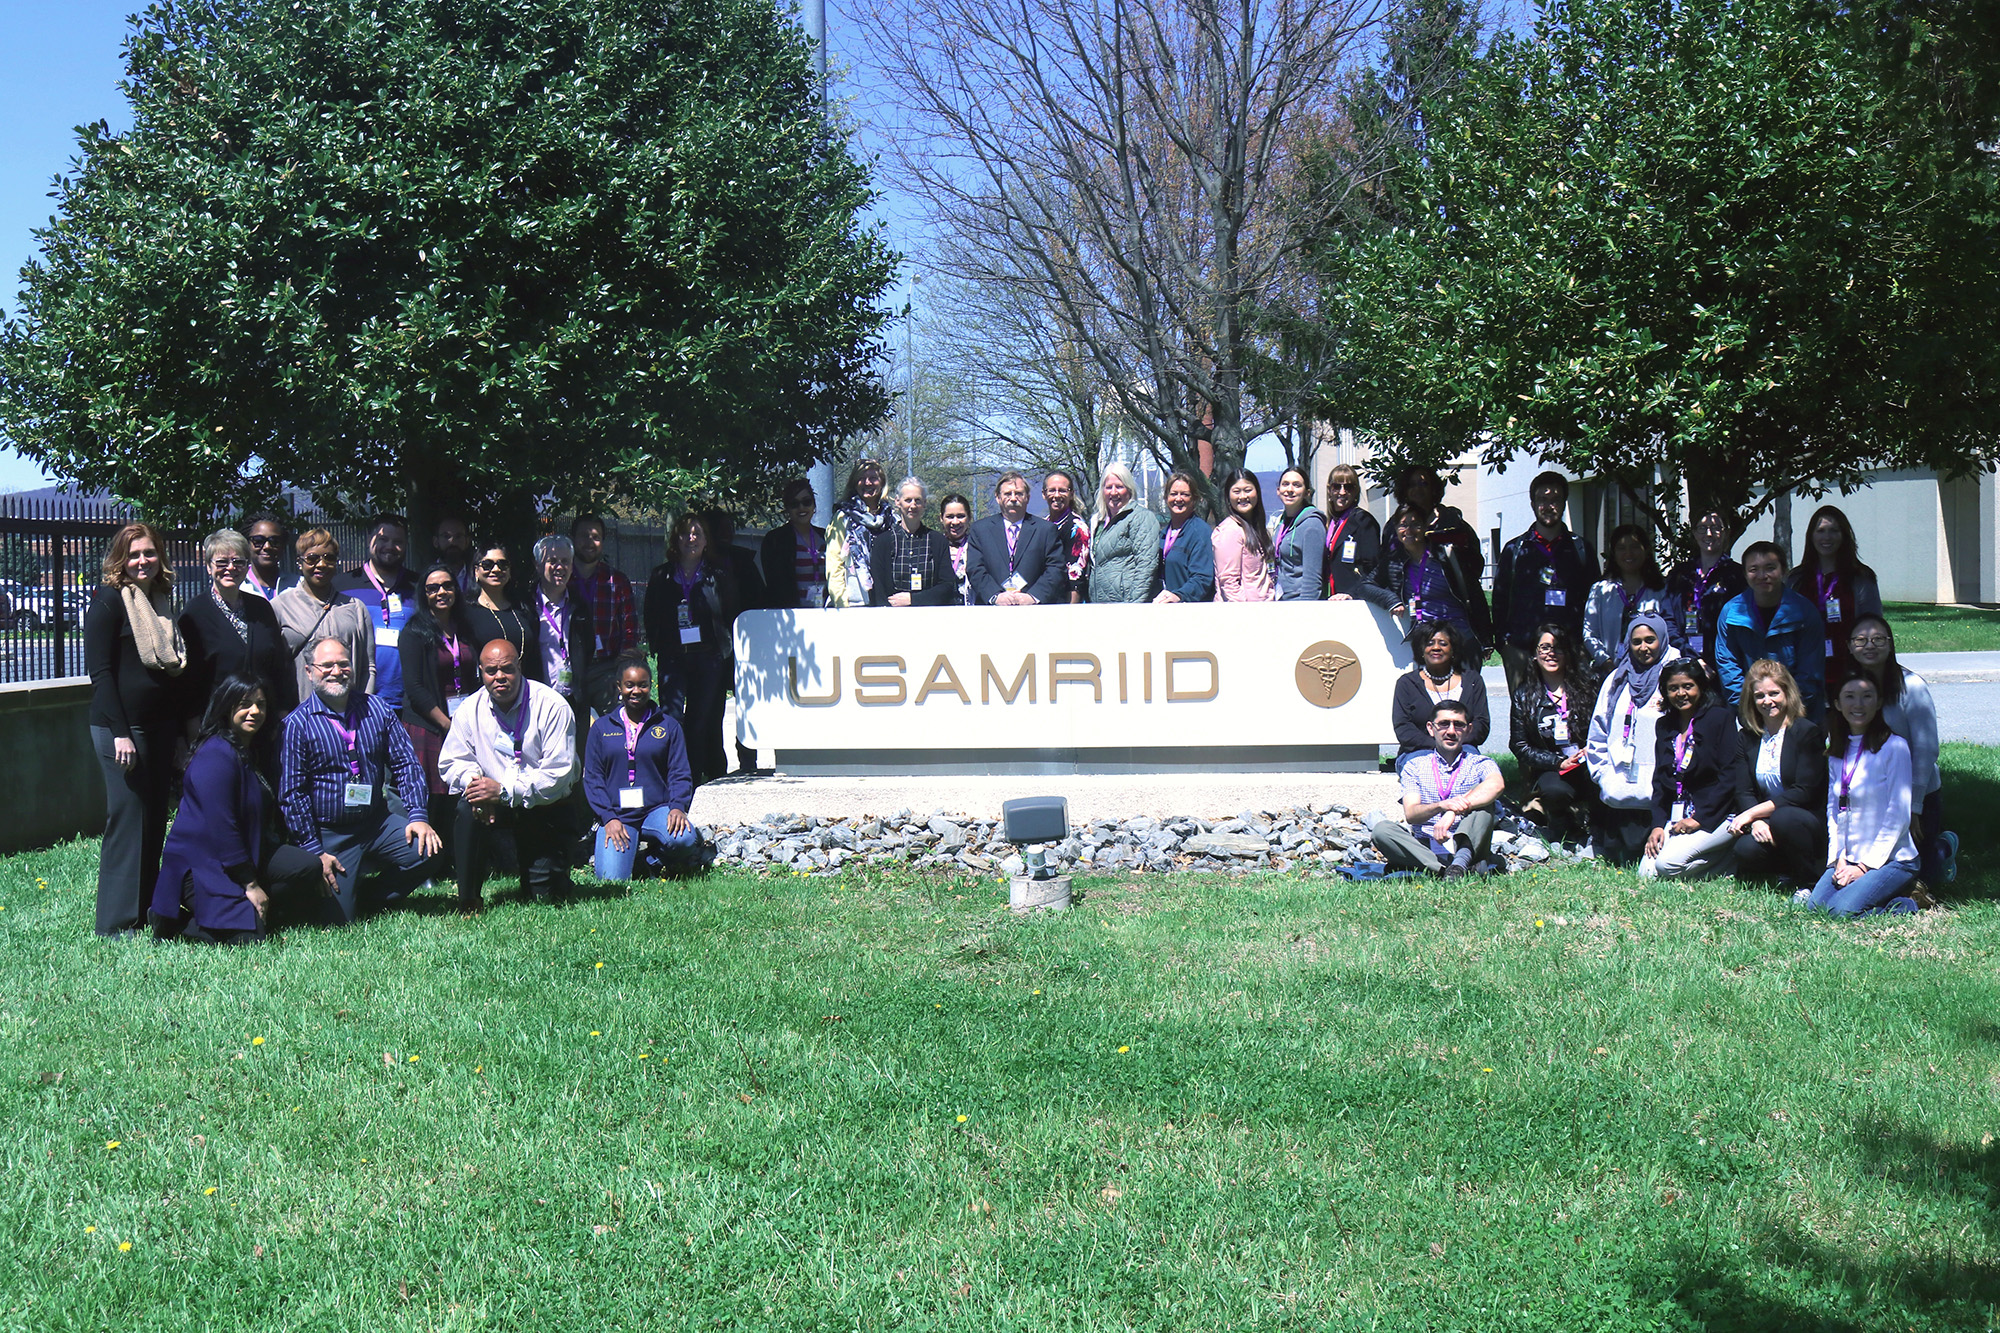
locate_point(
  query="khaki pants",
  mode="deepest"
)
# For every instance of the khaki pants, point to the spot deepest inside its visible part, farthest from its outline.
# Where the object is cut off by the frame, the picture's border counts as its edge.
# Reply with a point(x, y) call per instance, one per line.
point(1404, 849)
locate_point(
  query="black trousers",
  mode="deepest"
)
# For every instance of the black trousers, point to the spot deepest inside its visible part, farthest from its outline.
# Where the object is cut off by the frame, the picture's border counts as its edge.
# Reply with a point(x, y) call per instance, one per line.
point(290, 875)
point(1619, 835)
point(691, 687)
point(1797, 850)
point(541, 842)
point(135, 827)
point(1569, 800)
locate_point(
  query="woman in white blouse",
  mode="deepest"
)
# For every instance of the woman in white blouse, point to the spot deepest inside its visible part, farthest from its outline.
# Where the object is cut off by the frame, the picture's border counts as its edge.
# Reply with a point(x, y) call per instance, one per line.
point(1871, 863)
point(1911, 713)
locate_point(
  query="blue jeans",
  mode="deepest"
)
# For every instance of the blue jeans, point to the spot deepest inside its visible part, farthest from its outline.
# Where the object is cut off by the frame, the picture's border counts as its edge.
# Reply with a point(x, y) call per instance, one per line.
point(612, 864)
point(1884, 890)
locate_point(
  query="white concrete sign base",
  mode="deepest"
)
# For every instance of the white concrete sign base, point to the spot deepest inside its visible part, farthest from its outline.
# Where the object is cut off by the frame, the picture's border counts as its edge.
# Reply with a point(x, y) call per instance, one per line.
point(1299, 686)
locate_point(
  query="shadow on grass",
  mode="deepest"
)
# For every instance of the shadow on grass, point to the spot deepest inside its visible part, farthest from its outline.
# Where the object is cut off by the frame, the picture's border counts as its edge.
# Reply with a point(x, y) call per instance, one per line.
point(1811, 1285)
point(1971, 798)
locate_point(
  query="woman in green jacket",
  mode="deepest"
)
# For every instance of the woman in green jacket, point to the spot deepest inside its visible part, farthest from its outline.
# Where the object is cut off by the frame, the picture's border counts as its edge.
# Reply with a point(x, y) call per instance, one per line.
point(1124, 542)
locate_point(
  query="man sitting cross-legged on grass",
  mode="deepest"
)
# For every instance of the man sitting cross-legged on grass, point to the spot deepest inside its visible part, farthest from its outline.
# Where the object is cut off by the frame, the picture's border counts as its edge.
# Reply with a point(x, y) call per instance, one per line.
point(1448, 797)
point(510, 757)
point(342, 748)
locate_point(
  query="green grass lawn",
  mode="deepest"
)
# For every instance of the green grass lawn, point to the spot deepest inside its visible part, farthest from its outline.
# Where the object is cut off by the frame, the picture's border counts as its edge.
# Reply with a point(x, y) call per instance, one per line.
point(1557, 1101)
point(1923, 628)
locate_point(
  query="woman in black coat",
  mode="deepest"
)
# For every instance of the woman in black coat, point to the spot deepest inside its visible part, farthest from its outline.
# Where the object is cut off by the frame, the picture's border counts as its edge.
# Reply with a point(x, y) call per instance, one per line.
point(135, 719)
point(1550, 727)
point(229, 633)
point(1695, 762)
point(1781, 782)
point(1446, 668)
point(690, 602)
point(440, 671)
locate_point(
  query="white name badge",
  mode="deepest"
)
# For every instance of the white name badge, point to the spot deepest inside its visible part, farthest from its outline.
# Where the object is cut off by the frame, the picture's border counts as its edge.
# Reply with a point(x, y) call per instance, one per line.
point(1347, 550)
point(455, 702)
point(690, 634)
point(385, 636)
point(1680, 812)
point(1555, 597)
point(360, 795)
point(1015, 583)
point(916, 581)
point(1697, 643)
point(395, 604)
point(631, 798)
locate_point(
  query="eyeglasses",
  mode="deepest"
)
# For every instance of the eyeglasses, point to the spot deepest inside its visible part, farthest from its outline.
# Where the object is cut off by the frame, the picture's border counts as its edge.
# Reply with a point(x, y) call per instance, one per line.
point(224, 566)
point(1548, 650)
point(433, 589)
point(314, 561)
point(333, 668)
point(264, 541)
point(1870, 641)
point(1450, 726)
point(489, 566)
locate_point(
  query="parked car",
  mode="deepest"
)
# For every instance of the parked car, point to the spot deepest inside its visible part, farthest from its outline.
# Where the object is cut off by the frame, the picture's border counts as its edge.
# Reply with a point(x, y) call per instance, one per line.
point(23, 608)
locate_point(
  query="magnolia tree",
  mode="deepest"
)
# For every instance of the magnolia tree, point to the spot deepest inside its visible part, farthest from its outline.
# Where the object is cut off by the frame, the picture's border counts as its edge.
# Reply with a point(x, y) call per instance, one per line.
point(1740, 249)
point(477, 251)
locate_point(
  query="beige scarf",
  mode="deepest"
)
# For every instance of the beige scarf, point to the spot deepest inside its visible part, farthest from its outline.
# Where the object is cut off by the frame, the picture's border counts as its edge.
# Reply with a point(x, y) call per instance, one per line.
point(154, 632)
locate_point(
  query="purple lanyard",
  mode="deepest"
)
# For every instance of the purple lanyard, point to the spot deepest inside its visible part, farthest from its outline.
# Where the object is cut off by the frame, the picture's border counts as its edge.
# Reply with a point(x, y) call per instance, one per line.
point(1626, 597)
point(1826, 584)
point(1560, 698)
point(688, 582)
point(1167, 544)
point(518, 728)
point(381, 589)
point(456, 648)
point(632, 730)
point(352, 735)
point(1442, 774)
point(1683, 747)
point(560, 630)
point(1848, 770)
point(1422, 583)
point(1702, 579)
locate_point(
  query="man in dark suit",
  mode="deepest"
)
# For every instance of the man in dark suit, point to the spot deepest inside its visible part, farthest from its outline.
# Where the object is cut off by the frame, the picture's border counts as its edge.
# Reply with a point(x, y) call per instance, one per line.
point(1015, 558)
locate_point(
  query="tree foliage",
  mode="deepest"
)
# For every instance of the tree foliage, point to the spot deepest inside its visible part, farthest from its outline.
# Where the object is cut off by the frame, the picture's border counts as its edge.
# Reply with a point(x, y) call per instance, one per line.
point(475, 250)
point(1740, 245)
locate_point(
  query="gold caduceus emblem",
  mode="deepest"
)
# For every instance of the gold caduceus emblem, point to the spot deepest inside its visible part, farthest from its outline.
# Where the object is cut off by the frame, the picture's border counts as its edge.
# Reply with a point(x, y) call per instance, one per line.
point(1328, 674)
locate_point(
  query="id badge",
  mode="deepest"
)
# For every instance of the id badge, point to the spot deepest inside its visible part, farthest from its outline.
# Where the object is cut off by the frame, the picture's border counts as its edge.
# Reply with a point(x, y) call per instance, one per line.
point(916, 581)
point(1552, 725)
point(1680, 812)
point(1833, 610)
point(690, 635)
point(1015, 583)
point(563, 677)
point(1347, 549)
point(385, 636)
point(1555, 597)
point(453, 703)
point(395, 604)
point(360, 795)
point(1697, 643)
point(631, 798)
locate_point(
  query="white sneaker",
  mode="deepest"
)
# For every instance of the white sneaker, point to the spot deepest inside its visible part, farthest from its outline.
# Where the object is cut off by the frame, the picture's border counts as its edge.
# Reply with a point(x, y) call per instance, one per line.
point(1802, 896)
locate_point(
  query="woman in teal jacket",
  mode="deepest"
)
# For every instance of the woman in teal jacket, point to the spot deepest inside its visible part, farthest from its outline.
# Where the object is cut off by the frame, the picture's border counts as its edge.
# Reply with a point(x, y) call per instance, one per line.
point(1124, 542)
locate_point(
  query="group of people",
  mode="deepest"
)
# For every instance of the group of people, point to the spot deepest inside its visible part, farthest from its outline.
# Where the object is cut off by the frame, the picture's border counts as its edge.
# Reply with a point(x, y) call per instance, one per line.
point(367, 730)
point(370, 723)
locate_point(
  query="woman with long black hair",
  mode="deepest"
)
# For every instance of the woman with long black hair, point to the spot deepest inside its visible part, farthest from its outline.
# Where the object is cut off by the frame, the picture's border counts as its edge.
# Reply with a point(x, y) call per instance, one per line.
point(1911, 712)
point(1841, 588)
point(440, 672)
point(690, 600)
point(1244, 558)
point(223, 862)
point(1550, 728)
point(1871, 862)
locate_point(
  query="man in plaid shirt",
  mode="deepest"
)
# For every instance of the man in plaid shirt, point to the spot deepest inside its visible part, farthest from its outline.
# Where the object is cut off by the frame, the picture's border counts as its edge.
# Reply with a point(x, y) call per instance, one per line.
point(1448, 797)
point(615, 613)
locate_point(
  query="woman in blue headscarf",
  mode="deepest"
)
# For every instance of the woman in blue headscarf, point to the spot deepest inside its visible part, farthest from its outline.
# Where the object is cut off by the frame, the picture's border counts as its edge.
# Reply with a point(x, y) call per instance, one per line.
point(1621, 746)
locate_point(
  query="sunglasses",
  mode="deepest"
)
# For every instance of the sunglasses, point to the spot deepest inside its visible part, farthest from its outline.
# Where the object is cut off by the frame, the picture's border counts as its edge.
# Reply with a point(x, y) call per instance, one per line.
point(263, 541)
point(223, 566)
point(1451, 726)
point(433, 589)
point(492, 565)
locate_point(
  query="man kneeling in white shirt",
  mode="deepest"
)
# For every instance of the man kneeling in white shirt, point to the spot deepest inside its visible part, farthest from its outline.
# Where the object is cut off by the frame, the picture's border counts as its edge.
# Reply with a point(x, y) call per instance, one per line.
point(510, 758)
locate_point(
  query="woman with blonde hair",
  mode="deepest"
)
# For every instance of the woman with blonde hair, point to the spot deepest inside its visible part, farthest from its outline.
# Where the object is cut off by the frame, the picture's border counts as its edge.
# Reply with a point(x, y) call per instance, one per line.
point(135, 655)
point(1781, 783)
point(1124, 541)
point(310, 610)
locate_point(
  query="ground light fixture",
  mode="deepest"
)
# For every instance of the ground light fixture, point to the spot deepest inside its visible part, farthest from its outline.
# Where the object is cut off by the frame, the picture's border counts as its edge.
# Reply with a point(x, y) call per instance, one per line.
point(1030, 823)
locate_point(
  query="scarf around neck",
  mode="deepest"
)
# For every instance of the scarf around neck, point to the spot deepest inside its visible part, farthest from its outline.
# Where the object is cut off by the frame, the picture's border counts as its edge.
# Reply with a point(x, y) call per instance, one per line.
point(154, 632)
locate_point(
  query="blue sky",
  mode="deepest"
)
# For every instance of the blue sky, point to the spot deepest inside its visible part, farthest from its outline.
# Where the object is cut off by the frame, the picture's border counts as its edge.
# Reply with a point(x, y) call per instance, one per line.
point(59, 68)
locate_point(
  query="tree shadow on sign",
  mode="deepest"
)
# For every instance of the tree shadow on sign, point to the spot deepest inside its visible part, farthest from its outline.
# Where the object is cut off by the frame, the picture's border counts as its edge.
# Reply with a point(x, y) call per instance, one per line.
point(768, 675)
point(1943, 1281)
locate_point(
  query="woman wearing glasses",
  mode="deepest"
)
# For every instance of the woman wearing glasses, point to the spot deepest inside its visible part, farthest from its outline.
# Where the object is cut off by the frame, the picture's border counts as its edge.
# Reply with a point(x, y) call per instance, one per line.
point(266, 577)
point(793, 554)
point(311, 610)
point(227, 632)
point(1353, 541)
point(440, 672)
point(492, 614)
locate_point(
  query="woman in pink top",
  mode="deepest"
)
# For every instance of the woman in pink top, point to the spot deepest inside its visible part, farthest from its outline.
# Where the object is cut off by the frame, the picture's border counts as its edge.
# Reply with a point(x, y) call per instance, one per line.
point(1243, 554)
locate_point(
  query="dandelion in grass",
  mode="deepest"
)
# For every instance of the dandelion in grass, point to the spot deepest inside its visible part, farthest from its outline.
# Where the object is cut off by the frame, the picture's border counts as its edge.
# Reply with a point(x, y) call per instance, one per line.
point(596, 1034)
point(89, 1231)
point(256, 1041)
point(415, 1058)
point(600, 967)
point(124, 1247)
point(962, 1119)
point(1487, 1070)
point(112, 1144)
point(209, 1191)
point(1124, 1050)
point(1538, 923)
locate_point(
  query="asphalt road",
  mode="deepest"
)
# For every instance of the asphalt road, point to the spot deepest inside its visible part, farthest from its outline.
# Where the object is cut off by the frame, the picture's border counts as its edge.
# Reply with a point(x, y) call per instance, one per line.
point(1966, 687)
